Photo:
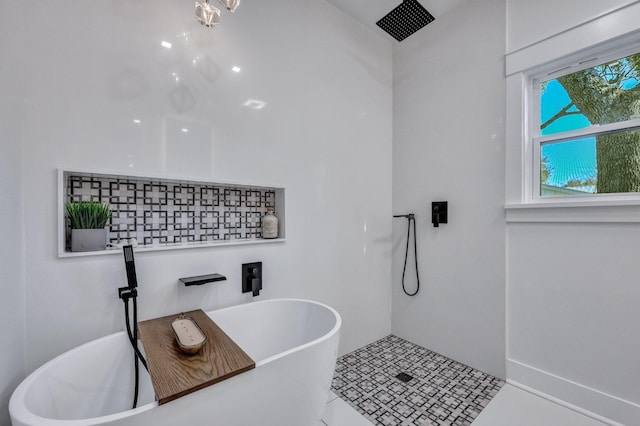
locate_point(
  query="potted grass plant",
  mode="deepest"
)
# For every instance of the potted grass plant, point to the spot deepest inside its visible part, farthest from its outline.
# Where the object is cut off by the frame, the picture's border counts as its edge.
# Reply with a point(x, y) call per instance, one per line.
point(88, 220)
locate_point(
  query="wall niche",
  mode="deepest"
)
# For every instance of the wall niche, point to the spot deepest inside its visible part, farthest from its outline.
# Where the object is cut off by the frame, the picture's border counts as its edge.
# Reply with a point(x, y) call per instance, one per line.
point(165, 213)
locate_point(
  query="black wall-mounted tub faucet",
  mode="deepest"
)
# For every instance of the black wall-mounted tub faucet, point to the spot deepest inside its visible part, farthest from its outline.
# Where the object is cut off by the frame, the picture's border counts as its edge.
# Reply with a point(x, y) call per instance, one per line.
point(252, 278)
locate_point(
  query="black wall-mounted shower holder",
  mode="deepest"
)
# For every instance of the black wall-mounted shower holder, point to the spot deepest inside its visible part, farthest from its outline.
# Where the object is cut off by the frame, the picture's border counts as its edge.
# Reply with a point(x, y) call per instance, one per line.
point(439, 213)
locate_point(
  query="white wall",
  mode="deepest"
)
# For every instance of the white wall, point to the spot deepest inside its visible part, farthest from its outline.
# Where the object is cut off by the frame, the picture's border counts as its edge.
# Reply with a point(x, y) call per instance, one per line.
point(529, 22)
point(324, 134)
point(12, 310)
point(448, 145)
point(573, 293)
point(573, 312)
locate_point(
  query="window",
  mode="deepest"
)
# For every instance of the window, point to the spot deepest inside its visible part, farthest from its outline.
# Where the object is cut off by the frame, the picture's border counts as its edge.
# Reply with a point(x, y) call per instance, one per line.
point(585, 128)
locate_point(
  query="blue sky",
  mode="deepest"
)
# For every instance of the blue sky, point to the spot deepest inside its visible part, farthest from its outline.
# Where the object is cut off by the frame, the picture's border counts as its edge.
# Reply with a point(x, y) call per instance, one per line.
point(567, 160)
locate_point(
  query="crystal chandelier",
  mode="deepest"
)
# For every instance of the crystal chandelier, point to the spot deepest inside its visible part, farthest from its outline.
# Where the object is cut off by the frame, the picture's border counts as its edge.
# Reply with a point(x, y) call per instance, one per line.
point(209, 16)
point(230, 5)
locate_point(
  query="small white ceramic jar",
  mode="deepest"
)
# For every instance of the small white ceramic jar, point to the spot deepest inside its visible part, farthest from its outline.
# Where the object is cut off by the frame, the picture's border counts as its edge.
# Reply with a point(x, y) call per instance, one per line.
point(269, 224)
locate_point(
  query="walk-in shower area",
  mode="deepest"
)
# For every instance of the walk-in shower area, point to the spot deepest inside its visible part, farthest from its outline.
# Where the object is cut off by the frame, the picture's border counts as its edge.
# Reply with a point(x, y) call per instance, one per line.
point(395, 382)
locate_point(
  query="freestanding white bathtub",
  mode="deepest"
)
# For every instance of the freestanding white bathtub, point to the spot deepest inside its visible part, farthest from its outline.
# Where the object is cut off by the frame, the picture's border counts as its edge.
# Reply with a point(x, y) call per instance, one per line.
point(294, 343)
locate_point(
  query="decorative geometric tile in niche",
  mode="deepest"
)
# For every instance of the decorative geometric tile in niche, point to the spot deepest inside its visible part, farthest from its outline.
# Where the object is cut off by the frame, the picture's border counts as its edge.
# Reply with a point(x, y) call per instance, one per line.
point(184, 195)
point(252, 220)
point(209, 196)
point(232, 197)
point(155, 221)
point(252, 233)
point(269, 199)
point(183, 220)
point(209, 220)
point(122, 193)
point(232, 234)
point(161, 212)
point(155, 239)
point(123, 224)
point(232, 220)
point(252, 224)
point(253, 198)
point(188, 238)
point(155, 194)
point(84, 189)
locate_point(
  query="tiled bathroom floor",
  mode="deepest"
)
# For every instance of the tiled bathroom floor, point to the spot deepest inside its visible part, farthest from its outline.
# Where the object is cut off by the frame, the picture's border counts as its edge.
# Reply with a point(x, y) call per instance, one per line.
point(441, 392)
point(339, 413)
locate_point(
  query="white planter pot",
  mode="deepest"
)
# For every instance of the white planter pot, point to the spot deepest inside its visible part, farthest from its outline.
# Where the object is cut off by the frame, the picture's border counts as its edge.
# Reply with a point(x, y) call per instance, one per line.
point(88, 239)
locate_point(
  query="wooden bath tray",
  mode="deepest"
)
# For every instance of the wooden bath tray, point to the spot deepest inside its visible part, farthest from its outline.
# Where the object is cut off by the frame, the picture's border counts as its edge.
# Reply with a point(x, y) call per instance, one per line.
point(175, 374)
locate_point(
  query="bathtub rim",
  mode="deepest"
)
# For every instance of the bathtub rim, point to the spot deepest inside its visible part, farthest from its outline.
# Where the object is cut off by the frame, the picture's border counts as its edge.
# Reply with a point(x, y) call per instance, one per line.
point(26, 416)
point(17, 399)
point(329, 334)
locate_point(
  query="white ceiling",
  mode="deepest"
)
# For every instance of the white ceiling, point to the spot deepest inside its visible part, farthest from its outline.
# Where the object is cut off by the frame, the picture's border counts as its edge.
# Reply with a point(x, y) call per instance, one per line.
point(368, 12)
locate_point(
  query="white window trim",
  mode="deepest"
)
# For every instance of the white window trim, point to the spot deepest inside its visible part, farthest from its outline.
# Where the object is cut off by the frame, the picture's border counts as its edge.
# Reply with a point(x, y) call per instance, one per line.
point(574, 64)
point(522, 168)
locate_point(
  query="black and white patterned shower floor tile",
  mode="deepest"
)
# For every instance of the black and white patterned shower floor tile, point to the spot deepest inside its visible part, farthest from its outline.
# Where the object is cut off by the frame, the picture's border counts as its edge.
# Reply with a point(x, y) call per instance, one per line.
point(438, 391)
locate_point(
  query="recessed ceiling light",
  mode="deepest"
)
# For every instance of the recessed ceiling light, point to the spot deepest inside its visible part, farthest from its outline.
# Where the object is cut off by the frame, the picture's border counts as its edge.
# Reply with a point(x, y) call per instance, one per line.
point(185, 130)
point(166, 44)
point(255, 104)
point(137, 121)
point(236, 69)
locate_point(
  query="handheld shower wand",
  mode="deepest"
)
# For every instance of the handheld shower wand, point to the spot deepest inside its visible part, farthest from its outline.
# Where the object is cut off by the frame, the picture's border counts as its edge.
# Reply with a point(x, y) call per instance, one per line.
point(410, 218)
point(126, 293)
point(130, 266)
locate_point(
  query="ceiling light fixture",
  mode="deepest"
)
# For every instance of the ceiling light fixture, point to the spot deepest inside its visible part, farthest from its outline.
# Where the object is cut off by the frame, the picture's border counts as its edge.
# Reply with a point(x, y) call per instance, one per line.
point(230, 5)
point(254, 104)
point(209, 16)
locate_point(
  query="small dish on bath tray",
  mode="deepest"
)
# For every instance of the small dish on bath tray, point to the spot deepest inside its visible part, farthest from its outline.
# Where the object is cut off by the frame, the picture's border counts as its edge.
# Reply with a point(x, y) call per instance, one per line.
point(189, 336)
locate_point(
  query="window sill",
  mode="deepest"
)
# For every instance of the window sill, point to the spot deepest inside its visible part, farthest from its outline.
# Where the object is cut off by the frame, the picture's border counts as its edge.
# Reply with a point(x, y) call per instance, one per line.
point(627, 211)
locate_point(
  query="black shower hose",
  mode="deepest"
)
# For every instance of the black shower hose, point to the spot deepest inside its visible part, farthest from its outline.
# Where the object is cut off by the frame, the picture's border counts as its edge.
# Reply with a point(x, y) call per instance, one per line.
point(133, 338)
point(410, 218)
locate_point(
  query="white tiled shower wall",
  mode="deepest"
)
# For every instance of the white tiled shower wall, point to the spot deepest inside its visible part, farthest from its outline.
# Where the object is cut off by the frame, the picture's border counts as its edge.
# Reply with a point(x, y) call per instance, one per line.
point(449, 145)
point(12, 309)
point(102, 93)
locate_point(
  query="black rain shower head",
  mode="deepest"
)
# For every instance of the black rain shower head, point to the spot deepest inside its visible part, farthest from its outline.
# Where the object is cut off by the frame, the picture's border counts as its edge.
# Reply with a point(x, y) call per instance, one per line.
point(405, 19)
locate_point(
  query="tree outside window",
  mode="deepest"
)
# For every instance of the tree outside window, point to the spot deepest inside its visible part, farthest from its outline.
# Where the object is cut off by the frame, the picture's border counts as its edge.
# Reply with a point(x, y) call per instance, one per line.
point(604, 100)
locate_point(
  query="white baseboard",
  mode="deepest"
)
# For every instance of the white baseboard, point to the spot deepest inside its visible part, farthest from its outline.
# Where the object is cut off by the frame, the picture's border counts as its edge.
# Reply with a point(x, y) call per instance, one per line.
point(596, 404)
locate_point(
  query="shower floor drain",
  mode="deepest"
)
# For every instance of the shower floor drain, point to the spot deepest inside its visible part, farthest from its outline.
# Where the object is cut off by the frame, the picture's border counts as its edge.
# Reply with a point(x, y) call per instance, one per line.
point(404, 377)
